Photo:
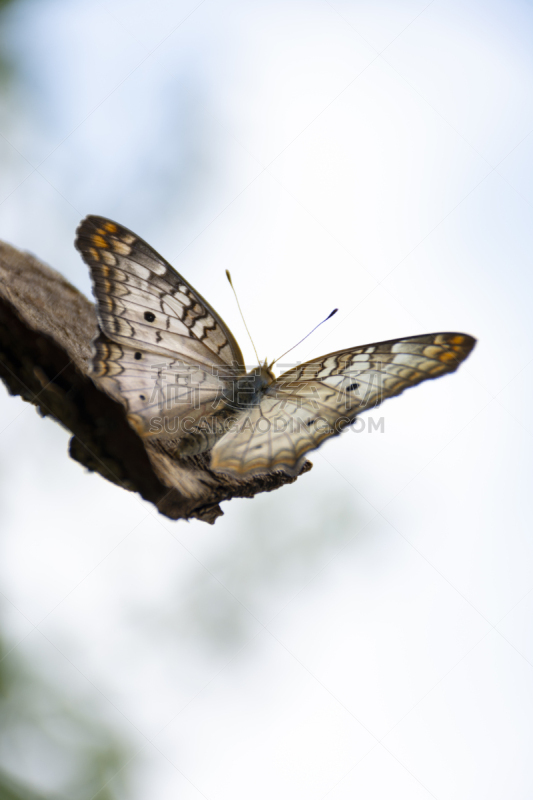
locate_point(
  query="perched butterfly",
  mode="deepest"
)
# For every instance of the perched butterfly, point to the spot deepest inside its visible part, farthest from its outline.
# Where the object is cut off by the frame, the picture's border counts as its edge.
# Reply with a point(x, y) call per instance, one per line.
point(166, 355)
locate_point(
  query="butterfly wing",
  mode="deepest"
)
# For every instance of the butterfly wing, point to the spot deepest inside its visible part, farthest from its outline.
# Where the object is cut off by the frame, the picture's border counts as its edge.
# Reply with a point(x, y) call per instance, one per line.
point(162, 350)
point(319, 398)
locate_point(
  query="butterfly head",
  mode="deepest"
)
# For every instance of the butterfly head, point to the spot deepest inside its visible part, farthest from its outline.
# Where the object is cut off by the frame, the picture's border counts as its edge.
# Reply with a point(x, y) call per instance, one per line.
point(249, 388)
point(264, 372)
point(260, 376)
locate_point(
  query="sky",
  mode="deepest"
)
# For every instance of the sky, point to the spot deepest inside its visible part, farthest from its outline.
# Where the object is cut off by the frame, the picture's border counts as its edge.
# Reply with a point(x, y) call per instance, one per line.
point(366, 631)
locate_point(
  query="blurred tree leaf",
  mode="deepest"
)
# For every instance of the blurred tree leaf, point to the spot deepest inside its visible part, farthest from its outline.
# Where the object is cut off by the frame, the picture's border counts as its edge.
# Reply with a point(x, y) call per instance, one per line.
point(7, 67)
point(44, 733)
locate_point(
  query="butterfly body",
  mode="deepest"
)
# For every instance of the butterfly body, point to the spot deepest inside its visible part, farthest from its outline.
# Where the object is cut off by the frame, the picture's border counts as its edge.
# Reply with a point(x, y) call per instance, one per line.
point(169, 358)
point(251, 386)
point(245, 393)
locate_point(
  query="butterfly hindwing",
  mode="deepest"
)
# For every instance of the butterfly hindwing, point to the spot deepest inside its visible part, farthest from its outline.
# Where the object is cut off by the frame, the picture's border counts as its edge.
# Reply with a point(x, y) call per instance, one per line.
point(318, 399)
point(165, 397)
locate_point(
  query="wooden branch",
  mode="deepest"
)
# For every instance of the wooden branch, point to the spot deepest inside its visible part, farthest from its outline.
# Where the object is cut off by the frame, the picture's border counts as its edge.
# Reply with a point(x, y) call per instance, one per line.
point(46, 329)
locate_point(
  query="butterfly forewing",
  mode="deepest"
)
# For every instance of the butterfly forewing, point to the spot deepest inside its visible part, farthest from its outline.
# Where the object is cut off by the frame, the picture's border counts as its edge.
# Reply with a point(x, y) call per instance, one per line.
point(162, 351)
point(318, 399)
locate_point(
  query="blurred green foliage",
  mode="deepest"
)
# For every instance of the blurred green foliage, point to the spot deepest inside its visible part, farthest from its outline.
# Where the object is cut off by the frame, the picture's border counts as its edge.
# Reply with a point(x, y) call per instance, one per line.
point(6, 67)
point(53, 745)
point(9, 68)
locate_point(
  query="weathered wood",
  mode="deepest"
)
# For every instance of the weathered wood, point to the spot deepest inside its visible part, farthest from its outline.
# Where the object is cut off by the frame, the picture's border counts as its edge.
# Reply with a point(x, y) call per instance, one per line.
point(46, 328)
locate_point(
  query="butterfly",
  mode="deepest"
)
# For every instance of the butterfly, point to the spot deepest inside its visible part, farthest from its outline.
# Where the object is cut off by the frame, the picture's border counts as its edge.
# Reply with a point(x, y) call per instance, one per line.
point(167, 356)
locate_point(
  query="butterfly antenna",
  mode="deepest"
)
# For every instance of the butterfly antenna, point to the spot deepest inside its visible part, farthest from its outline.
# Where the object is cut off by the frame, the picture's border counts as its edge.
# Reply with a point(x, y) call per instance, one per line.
point(329, 316)
point(228, 276)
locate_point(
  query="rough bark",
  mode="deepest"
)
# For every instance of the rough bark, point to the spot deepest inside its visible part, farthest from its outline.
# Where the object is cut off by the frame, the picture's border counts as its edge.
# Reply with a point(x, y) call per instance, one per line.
point(46, 328)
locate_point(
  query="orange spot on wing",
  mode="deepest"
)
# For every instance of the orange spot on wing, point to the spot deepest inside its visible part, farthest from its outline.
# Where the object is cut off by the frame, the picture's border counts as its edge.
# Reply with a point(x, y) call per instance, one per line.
point(447, 356)
point(137, 424)
point(457, 340)
point(94, 253)
point(110, 227)
point(436, 370)
point(99, 368)
point(99, 241)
